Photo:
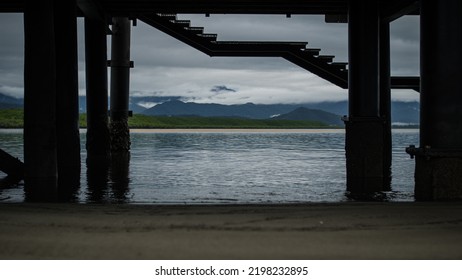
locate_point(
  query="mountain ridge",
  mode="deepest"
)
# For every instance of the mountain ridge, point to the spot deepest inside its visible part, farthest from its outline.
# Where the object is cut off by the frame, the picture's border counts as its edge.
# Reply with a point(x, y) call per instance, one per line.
point(8, 102)
point(402, 112)
point(303, 113)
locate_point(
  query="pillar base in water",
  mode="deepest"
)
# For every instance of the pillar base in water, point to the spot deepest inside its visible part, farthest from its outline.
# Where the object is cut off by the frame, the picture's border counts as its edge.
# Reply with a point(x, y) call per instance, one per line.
point(438, 178)
point(41, 189)
point(69, 184)
point(365, 156)
point(120, 136)
point(98, 138)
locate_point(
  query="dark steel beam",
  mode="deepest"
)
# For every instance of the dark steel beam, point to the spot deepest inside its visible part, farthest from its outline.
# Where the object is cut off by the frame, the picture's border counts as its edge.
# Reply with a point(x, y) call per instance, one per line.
point(389, 11)
point(397, 9)
point(336, 18)
point(403, 82)
point(91, 10)
point(226, 6)
point(12, 6)
point(393, 8)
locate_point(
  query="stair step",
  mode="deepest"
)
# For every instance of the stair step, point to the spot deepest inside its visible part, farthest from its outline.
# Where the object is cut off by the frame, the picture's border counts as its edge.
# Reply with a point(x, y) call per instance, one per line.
point(211, 37)
point(195, 30)
point(266, 43)
point(183, 23)
point(340, 65)
point(312, 51)
point(326, 58)
point(168, 16)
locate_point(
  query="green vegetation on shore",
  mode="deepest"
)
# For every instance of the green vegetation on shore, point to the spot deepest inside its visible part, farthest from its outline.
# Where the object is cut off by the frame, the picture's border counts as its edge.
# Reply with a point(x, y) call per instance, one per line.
point(142, 121)
point(13, 118)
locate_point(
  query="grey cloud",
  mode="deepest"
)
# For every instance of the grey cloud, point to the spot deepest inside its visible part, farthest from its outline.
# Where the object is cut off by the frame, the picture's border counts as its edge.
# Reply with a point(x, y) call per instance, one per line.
point(406, 28)
point(222, 89)
point(405, 46)
point(11, 54)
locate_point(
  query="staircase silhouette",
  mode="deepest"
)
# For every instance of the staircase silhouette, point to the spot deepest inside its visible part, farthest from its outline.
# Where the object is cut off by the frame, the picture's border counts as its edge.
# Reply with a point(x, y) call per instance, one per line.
point(295, 52)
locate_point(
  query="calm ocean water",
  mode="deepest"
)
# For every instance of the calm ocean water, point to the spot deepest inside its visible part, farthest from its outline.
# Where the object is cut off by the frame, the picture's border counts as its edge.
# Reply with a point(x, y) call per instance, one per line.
point(227, 167)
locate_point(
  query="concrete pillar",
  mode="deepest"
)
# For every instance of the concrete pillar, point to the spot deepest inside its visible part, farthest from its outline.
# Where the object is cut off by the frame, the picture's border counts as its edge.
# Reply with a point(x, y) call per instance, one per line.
point(98, 138)
point(364, 127)
point(385, 101)
point(67, 98)
point(439, 159)
point(120, 85)
point(40, 150)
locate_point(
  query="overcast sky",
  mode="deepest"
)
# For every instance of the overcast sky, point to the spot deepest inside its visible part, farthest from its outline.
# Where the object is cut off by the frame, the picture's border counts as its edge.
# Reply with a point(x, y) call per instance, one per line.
point(165, 66)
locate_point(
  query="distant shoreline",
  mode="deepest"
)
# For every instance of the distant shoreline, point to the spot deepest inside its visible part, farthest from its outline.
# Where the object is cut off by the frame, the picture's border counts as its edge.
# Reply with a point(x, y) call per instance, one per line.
point(237, 130)
point(13, 118)
point(225, 130)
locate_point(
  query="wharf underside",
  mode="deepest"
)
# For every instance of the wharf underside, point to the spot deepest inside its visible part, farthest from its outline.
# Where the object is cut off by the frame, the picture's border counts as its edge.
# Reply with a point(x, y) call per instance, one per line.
point(51, 132)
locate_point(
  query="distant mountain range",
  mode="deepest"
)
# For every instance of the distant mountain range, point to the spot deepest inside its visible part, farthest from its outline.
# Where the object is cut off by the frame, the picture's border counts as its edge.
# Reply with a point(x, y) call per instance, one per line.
point(329, 112)
point(138, 104)
point(402, 112)
point(302, 113)
point(248, 111)
point(8, 102)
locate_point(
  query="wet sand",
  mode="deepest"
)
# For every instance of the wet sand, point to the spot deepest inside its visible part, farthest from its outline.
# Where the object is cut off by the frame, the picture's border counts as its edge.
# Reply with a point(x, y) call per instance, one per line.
point(312, 231)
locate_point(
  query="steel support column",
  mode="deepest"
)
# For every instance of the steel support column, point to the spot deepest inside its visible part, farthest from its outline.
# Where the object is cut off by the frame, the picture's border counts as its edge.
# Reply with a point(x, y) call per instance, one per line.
point(67, 97)
point(385, 101)
point(364, 127)
point(98, 138)
point(40, 150)
point(120, 85)
point(439, 159)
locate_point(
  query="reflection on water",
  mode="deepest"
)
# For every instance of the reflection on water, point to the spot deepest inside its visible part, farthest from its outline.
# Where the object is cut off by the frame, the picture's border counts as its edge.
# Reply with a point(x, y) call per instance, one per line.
point(119, 176)
point(97, 178)
point(8, 184)
point(226, 167)
point(108, 179)
point(68, 185)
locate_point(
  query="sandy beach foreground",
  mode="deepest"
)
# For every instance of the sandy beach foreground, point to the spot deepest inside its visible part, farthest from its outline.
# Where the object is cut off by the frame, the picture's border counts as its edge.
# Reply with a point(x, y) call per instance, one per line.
point(313, 231)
